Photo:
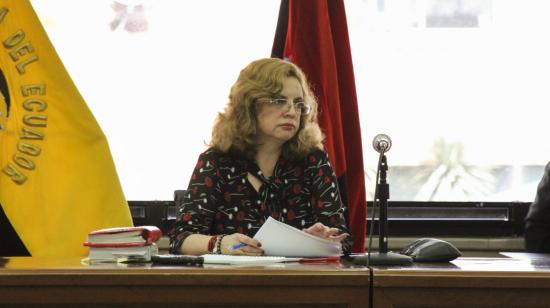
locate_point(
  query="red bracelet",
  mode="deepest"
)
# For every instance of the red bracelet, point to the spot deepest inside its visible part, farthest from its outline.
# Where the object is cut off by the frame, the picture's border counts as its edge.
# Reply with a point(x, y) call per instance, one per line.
point(212, 243)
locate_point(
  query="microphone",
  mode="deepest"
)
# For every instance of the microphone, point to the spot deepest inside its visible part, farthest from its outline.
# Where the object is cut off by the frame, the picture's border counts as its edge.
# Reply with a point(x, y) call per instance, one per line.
point(381, 143)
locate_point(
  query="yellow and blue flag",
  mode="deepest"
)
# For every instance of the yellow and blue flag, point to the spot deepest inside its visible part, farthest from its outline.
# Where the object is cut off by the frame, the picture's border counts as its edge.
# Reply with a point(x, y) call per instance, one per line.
point(57, 177)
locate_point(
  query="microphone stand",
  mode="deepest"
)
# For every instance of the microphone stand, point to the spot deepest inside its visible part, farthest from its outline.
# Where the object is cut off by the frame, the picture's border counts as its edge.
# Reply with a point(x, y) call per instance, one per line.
point(383, 257)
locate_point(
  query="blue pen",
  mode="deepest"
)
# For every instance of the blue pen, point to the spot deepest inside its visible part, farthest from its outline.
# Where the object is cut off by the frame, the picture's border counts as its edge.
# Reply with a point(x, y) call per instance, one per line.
point(237, 246)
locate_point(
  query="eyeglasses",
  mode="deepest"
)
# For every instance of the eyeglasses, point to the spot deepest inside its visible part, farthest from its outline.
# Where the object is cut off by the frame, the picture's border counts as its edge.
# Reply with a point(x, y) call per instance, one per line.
point(300, 106)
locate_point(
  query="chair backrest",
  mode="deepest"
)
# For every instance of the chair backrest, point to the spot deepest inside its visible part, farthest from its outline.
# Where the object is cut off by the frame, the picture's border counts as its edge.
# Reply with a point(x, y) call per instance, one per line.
point(179, 194)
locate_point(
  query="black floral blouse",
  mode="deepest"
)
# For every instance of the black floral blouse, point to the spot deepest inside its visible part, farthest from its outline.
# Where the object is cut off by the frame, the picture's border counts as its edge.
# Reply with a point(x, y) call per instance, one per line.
point(221, 200)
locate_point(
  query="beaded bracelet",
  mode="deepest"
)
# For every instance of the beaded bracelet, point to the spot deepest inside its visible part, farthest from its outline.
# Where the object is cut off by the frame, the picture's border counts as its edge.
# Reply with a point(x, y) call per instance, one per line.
point(219, 244)
point(212, 243)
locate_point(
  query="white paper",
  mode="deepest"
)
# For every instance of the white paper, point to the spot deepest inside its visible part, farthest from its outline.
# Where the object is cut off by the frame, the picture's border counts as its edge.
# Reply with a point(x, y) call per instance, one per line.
point(280, 239)
point(252, 260)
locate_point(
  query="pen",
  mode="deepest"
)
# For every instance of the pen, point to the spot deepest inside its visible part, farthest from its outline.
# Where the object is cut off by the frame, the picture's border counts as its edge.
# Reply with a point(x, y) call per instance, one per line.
point(237, 246)
point(320, 260)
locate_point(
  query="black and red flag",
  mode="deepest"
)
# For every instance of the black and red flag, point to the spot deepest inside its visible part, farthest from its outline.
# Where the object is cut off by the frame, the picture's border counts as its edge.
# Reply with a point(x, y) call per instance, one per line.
point(314, 36)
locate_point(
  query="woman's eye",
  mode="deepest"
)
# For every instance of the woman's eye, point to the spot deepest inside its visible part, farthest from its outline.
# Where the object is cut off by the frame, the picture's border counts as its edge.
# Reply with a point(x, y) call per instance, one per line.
point(280, 101)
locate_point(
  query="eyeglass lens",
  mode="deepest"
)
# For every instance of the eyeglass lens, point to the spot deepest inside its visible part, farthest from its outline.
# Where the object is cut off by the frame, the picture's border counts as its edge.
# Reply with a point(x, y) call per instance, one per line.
point(300, 106)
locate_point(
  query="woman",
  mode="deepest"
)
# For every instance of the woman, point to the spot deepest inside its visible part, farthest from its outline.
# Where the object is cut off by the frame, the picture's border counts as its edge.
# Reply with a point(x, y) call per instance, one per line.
point(265, 159)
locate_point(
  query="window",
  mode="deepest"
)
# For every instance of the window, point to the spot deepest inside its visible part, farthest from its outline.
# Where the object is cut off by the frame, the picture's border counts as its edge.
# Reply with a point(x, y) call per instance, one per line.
point(460, 86)
point(155, 73)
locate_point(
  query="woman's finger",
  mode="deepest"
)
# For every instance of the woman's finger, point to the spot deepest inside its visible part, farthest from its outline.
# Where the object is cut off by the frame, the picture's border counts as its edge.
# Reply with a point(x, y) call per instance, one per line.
point(254, 253)
point(248, 241)
point(333, 231)
point(318, 227)
point(338, 238)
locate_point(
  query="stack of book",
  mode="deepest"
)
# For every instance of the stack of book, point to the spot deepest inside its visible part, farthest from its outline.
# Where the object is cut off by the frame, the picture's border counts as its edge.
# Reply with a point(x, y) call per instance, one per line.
point(123, 244)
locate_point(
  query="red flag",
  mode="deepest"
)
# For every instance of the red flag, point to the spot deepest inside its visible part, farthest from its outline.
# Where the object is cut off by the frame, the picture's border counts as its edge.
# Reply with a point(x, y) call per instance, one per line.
point(314, 36)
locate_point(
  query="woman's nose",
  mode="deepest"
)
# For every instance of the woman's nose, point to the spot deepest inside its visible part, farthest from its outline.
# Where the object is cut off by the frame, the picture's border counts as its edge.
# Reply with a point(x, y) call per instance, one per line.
point(292, 109)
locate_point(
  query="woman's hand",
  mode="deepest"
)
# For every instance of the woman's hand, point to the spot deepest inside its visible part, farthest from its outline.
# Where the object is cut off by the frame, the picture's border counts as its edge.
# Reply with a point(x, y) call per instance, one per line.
point(325, 232)
point(251, 247)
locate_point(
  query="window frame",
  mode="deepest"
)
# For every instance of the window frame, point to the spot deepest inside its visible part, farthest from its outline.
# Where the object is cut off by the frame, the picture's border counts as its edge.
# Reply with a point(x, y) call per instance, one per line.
point(405, 218)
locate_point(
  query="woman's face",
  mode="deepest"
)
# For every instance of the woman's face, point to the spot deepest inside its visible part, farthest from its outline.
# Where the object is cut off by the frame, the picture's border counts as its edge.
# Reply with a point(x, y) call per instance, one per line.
point(278, 123)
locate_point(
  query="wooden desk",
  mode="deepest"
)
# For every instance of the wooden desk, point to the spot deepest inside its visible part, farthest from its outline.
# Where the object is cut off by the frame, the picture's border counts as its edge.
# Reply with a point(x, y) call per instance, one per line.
point(68, 283)
point(511, 280)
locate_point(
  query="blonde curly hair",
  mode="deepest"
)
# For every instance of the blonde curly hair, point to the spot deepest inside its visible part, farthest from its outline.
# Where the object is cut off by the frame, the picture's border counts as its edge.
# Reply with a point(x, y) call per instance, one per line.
point(235, 128)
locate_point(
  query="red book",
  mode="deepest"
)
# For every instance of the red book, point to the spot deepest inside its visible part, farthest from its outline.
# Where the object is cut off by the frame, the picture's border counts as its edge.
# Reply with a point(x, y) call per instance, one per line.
point(124, 237)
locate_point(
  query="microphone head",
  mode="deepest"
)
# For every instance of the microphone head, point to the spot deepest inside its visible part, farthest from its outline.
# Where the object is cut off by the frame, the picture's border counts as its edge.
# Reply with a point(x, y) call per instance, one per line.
point(381, 143)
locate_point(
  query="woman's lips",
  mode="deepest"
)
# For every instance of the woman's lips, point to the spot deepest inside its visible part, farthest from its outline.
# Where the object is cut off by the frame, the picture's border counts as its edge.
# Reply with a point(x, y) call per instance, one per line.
point(288, 126)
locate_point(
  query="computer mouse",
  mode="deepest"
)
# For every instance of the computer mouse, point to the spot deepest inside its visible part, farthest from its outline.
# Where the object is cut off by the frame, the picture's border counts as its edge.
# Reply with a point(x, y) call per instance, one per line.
point(431, 250)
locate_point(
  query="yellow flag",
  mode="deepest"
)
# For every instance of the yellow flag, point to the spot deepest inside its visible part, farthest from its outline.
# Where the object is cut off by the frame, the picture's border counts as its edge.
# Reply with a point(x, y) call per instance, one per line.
point(57, 177)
